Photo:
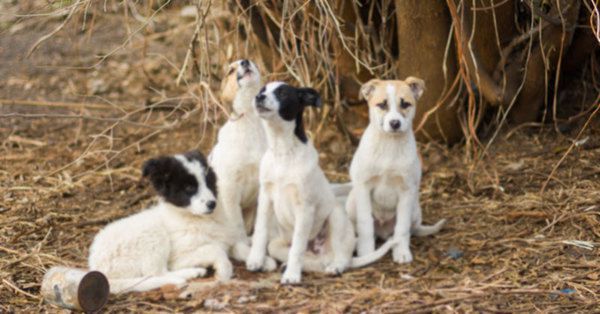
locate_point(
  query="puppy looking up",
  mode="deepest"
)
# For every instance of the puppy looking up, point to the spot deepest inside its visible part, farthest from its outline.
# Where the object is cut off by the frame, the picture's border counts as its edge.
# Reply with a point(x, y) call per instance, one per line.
point(386, 170)
point(174, 240)
point(296, 193)
point(241, 144)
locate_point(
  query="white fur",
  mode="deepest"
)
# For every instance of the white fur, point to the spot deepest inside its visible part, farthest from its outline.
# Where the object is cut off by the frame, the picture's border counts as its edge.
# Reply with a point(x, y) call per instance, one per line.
point(296, 198)
point(386, 174)
point(236, 157)
point(166, 244)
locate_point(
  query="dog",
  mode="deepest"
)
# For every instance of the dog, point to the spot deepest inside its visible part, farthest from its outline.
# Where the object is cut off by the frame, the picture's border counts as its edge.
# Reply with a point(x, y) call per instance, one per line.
point(176, 239)
point(241, 143)
point(386, 171)
point(310, 225)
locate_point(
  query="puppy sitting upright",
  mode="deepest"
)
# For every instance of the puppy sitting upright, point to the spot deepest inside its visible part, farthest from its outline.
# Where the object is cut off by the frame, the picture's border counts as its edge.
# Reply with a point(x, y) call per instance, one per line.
point(296, 193)
point(240, 145)
point(386, 170)
point(176, 239)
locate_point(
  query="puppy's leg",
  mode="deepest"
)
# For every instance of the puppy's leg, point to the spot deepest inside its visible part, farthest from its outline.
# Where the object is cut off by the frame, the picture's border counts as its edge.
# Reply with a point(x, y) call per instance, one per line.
point(364, 219)
point(230, 197)
point(302, 226)
point(188, 273)
point(401, 252)
point(339, 223)
point(260, 237)
point(241, 250)
point(207, 255)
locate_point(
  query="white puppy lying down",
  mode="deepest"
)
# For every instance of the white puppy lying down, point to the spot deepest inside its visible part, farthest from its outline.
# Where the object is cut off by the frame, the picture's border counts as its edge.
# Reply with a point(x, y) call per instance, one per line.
point(386, 170)
point(294, 190)
point(240, 145)
point(176, 239)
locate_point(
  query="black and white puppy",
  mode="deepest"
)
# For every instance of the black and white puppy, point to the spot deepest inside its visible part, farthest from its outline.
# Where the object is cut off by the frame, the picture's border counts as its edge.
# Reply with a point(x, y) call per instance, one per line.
point(313, 230)
point(174, 240)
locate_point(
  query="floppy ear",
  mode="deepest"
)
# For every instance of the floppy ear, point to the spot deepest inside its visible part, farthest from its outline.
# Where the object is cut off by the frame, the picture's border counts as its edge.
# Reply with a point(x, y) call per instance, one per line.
point(196, 155)
point(310, 97)
point(366, 90)
point(156, 170)
point(417, 86)
point(149, 167)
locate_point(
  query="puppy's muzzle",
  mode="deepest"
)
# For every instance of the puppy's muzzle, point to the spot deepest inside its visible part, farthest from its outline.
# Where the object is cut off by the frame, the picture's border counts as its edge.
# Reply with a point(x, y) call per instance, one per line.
point(211, 205)
point(260, 103)
point(246, 69)
point(395, 124)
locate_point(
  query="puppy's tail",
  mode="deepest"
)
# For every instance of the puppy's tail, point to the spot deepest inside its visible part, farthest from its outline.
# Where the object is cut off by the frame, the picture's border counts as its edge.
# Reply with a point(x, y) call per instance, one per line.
point(425, 230)
point(140, 284)
point(372, 257)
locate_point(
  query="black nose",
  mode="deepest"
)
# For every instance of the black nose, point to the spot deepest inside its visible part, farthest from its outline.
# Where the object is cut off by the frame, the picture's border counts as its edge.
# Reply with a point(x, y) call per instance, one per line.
point(395, 124)
point(211, 205)
point(260, 97)
point(245, 63)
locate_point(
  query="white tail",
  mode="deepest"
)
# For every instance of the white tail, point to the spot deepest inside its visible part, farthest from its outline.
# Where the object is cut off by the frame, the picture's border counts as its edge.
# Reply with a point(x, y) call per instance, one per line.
point(425, 230)
point(372, 257)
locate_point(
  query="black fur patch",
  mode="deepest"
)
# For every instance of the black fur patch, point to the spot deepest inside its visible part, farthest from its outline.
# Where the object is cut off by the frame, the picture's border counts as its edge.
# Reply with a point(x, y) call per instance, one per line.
point(210, 176)
point(292, 101)
point(174, 182)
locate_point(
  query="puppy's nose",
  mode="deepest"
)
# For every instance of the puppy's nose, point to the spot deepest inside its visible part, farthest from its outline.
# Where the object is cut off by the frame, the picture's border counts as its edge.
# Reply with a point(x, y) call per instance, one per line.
point(260, 98)
point(245, 63)
point(211, 205)
point(395, 124)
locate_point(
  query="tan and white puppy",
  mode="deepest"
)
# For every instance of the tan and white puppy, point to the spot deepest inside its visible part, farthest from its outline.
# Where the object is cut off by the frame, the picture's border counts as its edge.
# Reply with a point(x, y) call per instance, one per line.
point(312, 230)
point(241, 143)
point(386, 170)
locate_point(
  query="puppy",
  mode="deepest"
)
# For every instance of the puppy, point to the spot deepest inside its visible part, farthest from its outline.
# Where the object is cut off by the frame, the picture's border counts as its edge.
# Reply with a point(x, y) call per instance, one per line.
point(174, 240)
point(386, 170)
point(296, 193)
point(241, 143)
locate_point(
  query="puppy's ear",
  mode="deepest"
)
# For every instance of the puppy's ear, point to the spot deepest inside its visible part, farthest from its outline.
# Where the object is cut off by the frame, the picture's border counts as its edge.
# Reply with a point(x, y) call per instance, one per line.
point(149, 167)
point(196, 155)
point(310, 97)
point(158, 172)
point(366, 90)
point(417, 86)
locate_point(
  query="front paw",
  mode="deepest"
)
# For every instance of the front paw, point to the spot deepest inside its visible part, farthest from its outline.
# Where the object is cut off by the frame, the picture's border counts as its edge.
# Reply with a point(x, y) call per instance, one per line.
point(335, 269)
point(269, 264)
point(291, 277)
point(401, 254)
point(224, 272)
point(365, 247)
point(254, 262)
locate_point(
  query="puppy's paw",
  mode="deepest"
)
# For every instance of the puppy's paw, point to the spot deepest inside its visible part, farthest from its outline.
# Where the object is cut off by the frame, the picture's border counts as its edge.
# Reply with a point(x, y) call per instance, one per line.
point(192, 273)
point(269, 264)
point(254, 263)
point(291, 278)
point(401, 255)
point(335, 269)
point(224, 271)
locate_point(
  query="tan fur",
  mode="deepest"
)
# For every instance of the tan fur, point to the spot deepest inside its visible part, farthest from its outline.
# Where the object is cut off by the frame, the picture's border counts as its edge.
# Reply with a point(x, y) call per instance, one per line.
point(229, 86)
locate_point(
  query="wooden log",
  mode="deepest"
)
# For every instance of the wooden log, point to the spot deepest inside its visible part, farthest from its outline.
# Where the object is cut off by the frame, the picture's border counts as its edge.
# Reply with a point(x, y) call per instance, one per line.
point(75, 288)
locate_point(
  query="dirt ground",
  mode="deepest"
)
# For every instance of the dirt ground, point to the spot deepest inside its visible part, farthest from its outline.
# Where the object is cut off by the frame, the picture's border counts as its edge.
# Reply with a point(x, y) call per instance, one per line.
point(70, 162)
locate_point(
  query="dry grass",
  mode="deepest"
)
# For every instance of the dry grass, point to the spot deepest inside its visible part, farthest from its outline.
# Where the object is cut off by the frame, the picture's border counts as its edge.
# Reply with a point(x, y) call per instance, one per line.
point(76, 128)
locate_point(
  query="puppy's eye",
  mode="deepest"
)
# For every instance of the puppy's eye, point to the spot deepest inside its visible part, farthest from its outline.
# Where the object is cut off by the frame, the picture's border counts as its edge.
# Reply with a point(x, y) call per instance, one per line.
point(230, 71)
point(383, 105)
point(190, 189)
point(404, 104)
